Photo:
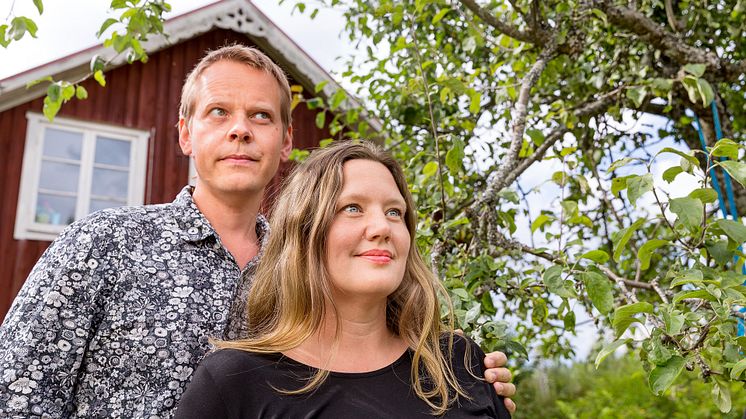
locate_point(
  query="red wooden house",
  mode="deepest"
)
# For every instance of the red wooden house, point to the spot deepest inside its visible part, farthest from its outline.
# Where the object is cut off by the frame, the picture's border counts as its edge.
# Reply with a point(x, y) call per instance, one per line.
point(119, 146)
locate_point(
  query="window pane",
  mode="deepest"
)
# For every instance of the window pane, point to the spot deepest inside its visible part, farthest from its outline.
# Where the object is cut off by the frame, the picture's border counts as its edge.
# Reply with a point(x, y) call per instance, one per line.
point(111, 151)
point(99, 204)
point(57, 210)
point(61, 177)
point(110, 183)
point(65, 144)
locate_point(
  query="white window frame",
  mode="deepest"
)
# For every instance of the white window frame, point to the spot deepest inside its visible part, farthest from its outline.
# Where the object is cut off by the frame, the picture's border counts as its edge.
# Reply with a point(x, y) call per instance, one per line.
point(26, 227)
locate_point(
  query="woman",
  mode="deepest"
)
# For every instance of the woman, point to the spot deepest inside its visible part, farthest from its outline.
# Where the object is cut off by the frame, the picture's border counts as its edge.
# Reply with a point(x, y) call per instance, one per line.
point(344, 312)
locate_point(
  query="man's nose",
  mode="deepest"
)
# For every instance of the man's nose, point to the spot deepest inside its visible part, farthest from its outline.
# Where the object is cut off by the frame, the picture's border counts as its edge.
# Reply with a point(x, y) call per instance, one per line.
point(241, 130)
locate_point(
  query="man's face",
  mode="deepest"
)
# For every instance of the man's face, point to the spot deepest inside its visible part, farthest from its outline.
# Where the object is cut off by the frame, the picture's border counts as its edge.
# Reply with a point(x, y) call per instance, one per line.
point(235, 135)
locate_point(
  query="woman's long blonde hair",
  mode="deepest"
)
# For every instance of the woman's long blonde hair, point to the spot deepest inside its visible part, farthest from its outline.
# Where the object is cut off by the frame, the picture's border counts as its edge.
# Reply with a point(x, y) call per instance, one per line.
point(287, 301)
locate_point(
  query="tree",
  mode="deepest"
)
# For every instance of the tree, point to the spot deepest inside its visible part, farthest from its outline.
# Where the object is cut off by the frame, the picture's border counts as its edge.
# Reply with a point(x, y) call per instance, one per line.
point(475, 96)
point(479, 97)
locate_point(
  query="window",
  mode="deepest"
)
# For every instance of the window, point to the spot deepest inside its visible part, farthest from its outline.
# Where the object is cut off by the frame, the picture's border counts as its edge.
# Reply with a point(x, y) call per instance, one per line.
point(72, 168)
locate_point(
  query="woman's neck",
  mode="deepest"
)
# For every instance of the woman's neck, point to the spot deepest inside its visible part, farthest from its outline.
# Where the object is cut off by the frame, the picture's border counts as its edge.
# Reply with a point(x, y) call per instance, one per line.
point(364, 343)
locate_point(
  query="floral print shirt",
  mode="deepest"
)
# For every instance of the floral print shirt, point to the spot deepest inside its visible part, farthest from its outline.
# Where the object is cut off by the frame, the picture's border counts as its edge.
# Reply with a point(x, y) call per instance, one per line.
point(117, 313)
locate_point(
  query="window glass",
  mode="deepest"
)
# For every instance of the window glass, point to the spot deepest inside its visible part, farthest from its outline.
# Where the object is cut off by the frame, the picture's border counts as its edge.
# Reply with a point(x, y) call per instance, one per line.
point(62, 144)
point(55, 210)
point(59, 177)
point(99, 204)
point(110, 183)
point(112, 152)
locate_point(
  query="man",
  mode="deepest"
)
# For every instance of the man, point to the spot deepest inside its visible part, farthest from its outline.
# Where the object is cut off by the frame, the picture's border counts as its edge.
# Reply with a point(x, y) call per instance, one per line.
point(118, 311)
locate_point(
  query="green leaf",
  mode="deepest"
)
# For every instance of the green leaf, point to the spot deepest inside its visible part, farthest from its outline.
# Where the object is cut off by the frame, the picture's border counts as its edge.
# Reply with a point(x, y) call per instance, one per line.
point(99, 77)
point(625, 316)
point(440, 15)
point(692, 88)
point(721, 394)
point(705, 92)
point(455, 157)
point(646, 251)
point(108, 22)
point(733, 229)
point(3, 40)
point(618, 184)
point(81, 93)
point(53, 92)
point(689, 210)
point(430, 169)
point(683, 295)
point(50, 108)
point(673, 322)
point(621, 237)
point(569, 321)
point(670, 174)
point(621, 162)
point(706, 195)
point(638, 186)
point(320, 119)
point(537, 136)
point(609, 349)
point(37, 81)
point(598, 256)
point(320, 86)
point(662, 376)
point(738, 369)
point(39, 6)
point(691, 159)
point(599, 290)
point(539, 221)
point(475, 102)
point(337, 98)
point(690, 276)
point(725, 148)
point(556, 285)
point(736, 169)
point(637, 95)
point(696, 70)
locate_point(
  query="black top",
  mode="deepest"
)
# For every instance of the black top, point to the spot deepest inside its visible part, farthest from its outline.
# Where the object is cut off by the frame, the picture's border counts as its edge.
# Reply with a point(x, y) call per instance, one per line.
point(236, 384)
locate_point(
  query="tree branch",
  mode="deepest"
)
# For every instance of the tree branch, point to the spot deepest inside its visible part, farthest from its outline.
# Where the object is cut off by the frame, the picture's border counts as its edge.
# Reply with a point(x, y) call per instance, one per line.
point(503, 27)
point(668, 43)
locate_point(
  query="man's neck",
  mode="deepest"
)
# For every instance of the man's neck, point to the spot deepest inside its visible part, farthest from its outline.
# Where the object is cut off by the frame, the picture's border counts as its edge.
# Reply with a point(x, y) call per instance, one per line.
point(234, 220)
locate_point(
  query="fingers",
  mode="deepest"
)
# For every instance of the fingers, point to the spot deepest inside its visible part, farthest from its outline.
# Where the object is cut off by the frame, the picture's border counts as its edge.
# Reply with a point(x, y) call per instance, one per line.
point(495, 375)
point(510, 405)
point(504, 389)
point(495, 359)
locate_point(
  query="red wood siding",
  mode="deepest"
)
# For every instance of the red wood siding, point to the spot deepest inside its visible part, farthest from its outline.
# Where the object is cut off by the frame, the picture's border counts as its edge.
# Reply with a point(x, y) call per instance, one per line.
point(140, 96)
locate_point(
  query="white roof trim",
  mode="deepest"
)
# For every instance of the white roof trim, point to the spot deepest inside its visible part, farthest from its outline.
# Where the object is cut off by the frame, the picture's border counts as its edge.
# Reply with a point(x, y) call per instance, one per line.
point(237, 15)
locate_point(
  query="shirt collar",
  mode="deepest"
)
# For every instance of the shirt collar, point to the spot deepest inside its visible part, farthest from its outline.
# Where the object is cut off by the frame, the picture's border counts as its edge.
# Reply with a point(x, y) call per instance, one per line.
point(194, 227)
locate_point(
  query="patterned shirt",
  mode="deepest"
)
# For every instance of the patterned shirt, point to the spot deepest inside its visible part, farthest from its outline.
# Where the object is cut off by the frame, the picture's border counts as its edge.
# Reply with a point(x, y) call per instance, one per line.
point(117, 313)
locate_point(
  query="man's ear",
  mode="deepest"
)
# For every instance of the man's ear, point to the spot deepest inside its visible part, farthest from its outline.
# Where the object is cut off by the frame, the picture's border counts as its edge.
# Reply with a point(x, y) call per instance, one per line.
point(287, 145)
point(185, 138)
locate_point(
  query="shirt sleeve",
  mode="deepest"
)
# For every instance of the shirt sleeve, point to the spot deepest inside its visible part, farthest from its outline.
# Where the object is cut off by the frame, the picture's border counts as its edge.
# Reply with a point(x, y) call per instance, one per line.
point(47, 330)
point(477, 365)
point(202, 398)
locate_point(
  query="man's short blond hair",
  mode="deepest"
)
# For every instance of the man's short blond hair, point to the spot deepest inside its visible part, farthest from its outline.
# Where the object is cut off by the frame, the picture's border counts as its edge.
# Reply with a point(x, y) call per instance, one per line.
point(241, 54)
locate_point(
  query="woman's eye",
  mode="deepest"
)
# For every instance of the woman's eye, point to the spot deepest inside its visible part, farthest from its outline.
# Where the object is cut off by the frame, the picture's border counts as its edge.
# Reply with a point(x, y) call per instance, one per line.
point(353, 208)
point(218, 112)
point(394, 212)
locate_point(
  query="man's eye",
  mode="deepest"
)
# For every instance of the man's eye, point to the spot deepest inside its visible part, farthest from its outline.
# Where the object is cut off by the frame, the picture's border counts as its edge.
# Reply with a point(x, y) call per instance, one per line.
point(394, 212)
point(262, 115)
point(218, 112)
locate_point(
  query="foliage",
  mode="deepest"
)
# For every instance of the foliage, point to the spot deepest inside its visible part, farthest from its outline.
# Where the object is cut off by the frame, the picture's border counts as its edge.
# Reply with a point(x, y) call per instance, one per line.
point(479, 98)
point(536, 202)
point(616, 390)
point(138, 20)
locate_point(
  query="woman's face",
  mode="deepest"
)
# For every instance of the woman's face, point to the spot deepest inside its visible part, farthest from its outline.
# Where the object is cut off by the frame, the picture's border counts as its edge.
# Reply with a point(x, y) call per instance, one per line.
point(368, 241)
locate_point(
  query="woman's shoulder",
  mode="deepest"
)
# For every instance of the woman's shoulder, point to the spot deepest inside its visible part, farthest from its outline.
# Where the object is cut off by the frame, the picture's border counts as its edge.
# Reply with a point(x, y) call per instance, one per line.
point(460, 344)
point(233, 362)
